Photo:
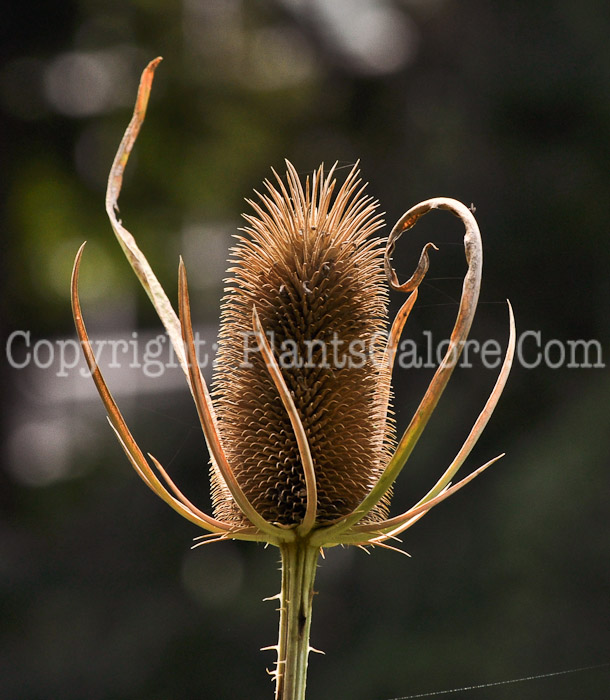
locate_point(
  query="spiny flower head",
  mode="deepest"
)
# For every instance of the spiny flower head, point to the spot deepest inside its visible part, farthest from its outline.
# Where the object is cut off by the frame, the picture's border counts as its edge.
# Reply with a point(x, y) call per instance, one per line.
point(309, 265)
point(298, 432)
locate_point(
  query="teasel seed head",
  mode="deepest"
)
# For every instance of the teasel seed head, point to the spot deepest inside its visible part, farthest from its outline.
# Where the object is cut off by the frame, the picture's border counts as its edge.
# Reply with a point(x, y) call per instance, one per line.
point(301, 445)
point(299, 439)
point(309, 264)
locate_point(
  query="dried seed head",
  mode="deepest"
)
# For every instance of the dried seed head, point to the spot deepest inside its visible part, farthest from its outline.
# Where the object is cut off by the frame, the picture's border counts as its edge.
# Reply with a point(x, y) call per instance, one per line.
point(309, 266)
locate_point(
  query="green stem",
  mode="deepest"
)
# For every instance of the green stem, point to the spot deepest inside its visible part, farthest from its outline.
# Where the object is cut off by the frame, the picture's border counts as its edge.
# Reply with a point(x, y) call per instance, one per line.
point(299, 561)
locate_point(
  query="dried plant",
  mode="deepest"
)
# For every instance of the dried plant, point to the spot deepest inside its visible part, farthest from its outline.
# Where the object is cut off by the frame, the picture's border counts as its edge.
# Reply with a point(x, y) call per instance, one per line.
point(303, 452)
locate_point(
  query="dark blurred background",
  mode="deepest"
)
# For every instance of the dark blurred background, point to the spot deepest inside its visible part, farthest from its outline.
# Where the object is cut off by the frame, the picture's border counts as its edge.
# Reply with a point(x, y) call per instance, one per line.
point(502, 104)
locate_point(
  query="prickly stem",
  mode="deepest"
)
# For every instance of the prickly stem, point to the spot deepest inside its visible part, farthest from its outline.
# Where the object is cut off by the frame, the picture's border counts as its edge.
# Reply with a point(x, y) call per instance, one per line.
point(299, 562)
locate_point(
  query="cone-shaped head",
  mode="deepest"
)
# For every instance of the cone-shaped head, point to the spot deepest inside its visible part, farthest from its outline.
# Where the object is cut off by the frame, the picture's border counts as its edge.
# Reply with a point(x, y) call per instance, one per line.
point(310, 266)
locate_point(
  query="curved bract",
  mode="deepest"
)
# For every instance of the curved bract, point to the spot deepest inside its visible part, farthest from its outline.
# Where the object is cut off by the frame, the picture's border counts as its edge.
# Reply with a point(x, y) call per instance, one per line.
point(303, 456)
